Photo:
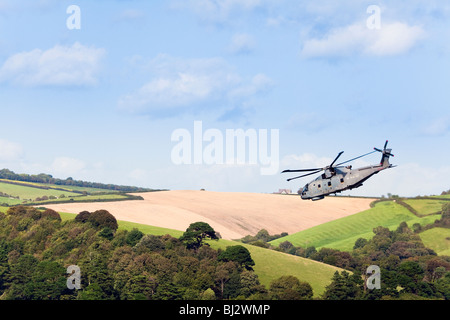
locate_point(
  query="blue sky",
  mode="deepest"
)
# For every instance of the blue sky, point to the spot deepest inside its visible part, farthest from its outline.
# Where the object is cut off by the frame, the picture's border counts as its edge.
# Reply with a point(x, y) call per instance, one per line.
point(100, 103)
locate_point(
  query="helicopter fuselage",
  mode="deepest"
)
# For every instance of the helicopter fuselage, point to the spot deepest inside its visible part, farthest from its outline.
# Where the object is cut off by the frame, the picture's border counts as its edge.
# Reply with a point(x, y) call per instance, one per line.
point(338, 180)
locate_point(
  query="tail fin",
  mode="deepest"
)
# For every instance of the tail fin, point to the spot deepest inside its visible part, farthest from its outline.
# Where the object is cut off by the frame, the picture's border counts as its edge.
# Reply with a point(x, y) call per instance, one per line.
point(385, 157)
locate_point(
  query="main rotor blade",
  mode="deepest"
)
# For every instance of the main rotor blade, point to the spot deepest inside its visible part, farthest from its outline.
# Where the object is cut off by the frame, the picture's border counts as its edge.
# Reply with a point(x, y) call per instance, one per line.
point(378, 150)
point(355, 158)
point(385, 144)
point(308, 174)
point(336, 158)
point(301, 170)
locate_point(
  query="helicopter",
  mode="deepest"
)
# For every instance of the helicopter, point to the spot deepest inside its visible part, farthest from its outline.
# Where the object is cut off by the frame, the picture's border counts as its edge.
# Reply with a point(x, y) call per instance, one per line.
point(337, 178)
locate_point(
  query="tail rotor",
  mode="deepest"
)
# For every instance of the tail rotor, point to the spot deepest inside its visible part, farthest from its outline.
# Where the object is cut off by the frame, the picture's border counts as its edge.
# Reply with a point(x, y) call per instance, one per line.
point(386, 154)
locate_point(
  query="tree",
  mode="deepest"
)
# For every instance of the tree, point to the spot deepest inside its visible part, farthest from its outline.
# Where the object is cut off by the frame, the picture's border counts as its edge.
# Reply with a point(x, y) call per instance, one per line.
point(92, 292)
point(48, 281)
point(410, 274)
point(222, 275)
point(208, 294)
point(443, 286)
point(196, 233)
point(290, 288)
point(52, 214)
point(83, 216)
point(239, 254)
point(286, 246)
point(150, 242)
point(250, 285)
point(344, 287)
point(102, 218)
point(20, 278)
point(134, 236)
point(359, 243)
point(446, 210)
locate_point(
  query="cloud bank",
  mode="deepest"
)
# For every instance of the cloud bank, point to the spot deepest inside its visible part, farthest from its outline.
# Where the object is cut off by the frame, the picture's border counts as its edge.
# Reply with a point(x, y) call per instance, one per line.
point(75, 65)
point(391, 39)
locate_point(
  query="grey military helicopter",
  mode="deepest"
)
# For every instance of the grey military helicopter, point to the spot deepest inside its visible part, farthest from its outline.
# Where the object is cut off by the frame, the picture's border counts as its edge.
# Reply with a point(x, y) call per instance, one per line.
point(337, 178)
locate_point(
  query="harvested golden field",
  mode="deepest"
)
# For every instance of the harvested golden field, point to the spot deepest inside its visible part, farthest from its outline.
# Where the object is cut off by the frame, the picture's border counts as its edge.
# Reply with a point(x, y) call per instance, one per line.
point(232, 214)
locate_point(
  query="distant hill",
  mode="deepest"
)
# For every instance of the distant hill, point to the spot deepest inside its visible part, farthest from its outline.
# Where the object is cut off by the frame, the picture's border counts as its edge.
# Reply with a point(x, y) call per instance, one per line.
point(48, 179)
point(43, 189)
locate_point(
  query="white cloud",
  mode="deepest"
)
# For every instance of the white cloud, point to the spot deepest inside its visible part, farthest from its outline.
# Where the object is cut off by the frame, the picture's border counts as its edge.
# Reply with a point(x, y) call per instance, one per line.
point(439, 126)
point(258, 83)
point(189, 83)
point(10, 151)
point(241, 43)
point(391, 39)
point(66, 166)
point(140, 175)
point(218, 10)
point(407, 179)
point(304, 161)
point(131, 14)
point(75, 65)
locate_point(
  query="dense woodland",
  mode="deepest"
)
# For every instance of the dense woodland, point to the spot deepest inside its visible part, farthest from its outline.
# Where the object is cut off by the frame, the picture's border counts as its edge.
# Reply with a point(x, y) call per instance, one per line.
point(36, 248)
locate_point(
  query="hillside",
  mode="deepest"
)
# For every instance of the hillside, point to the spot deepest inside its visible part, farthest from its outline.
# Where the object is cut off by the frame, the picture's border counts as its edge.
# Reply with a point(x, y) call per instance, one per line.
point(232, 214)
point(342, 233)
point(270, 265)
point(43, 189)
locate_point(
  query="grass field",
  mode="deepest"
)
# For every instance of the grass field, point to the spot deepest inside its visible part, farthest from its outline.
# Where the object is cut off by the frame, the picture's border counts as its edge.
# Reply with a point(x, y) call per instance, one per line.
point(342, 233)
point(29, 191)
point(88, 198)
point(437, 239)
point(426, 206)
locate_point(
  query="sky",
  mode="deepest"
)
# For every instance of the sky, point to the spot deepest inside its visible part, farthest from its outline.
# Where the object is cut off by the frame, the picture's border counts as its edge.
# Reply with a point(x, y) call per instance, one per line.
point(146, 93)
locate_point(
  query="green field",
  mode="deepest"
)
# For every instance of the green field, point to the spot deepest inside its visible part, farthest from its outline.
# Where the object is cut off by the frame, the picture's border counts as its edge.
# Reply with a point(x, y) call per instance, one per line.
point(437, 239)
point(342, 233)
point(426, 206)
point(27, 192)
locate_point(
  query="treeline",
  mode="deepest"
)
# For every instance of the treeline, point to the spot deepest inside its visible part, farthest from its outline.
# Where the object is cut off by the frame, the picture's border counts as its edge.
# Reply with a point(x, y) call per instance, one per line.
point(47, 178)
point(262, 238)
point(36, 248)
